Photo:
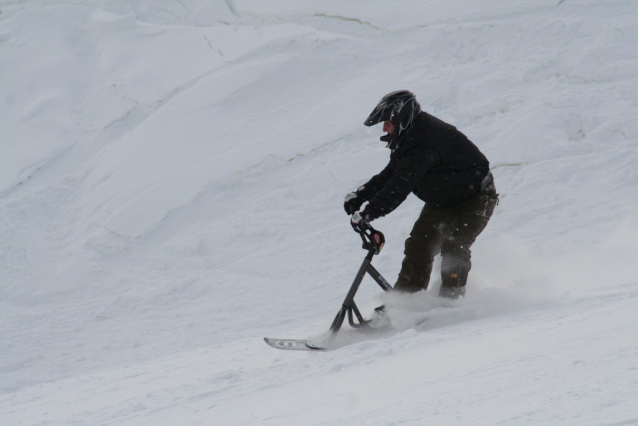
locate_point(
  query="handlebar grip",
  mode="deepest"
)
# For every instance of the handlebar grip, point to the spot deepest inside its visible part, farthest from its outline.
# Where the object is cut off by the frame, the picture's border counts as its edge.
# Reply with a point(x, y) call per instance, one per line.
point(373, 240)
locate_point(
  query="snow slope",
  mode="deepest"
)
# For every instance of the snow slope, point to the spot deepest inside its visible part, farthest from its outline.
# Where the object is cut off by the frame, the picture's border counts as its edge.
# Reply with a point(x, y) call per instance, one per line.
point(171, 181)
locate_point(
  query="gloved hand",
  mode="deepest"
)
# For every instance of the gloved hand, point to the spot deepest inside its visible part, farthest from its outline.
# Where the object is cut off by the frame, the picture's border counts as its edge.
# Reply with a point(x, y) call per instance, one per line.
point(359, 222)
point(353, 201)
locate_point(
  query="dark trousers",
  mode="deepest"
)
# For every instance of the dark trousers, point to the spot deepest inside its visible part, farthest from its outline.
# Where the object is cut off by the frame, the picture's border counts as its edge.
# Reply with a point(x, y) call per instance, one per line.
point(450, 232)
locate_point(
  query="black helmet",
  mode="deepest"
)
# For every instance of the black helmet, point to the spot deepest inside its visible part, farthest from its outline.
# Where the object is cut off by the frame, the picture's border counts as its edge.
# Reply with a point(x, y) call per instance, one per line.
point(400, 108)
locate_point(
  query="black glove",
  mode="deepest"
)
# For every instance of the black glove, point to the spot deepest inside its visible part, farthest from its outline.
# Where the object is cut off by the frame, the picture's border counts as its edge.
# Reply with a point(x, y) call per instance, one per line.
point(359, 222)
point(353, 201)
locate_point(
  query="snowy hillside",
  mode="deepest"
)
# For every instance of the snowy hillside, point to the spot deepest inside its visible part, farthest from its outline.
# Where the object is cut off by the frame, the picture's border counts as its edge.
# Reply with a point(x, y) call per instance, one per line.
point(171, 185)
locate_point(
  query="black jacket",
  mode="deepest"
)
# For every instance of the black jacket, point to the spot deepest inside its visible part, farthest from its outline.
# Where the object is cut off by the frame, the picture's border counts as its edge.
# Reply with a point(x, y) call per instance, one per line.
point(432, 159)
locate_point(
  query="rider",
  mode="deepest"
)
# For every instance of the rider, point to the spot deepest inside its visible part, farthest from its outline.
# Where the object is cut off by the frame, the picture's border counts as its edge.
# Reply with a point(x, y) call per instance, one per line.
point(442, 167)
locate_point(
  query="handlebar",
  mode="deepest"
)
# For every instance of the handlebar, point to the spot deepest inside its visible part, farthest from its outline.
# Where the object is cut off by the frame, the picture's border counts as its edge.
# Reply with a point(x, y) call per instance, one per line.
point(373, 240)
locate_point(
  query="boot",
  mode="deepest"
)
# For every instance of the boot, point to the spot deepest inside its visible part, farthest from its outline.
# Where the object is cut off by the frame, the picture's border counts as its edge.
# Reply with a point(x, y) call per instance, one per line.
point(452, 293)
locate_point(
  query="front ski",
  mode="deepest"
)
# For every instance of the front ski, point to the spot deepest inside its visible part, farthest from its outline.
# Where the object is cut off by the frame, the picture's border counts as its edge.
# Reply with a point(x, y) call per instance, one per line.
point(293, 344)
point(373, 242)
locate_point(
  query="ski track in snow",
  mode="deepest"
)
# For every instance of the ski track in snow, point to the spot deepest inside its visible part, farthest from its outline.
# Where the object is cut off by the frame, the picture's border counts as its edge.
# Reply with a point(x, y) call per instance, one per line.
point(171, 186)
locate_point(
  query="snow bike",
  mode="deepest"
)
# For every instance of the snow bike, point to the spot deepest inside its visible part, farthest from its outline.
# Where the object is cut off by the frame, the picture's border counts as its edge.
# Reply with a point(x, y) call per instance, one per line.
point(373, 242)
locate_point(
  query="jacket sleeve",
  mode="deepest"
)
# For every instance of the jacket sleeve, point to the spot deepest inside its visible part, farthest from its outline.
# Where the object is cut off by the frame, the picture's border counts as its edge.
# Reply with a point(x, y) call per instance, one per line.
point(409, 171)
point(374, 185)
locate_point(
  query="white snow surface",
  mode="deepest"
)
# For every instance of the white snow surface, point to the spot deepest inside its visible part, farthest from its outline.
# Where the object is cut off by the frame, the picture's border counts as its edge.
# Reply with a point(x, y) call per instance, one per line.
point(171, 184)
